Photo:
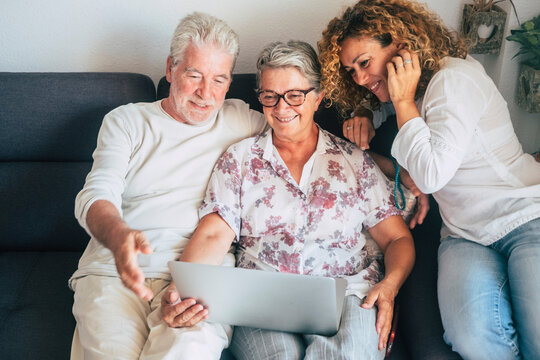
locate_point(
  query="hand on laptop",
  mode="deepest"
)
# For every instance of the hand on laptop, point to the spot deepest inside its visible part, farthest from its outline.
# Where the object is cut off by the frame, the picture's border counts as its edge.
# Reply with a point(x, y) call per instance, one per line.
point(383, 296)
point(180, 313)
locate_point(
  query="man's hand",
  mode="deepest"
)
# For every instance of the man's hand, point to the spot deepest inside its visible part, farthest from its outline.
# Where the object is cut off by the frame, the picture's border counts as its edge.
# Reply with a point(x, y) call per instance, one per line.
point(107, 226)
point(383, 296)
point(180, 313)
point(131, 242)
point(359, 130)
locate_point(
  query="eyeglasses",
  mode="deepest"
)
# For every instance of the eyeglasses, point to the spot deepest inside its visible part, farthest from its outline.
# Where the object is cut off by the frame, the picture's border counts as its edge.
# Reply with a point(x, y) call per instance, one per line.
point(270, 98)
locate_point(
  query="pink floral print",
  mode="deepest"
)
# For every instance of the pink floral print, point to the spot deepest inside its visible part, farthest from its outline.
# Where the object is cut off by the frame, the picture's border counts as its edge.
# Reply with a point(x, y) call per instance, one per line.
point(315, 229)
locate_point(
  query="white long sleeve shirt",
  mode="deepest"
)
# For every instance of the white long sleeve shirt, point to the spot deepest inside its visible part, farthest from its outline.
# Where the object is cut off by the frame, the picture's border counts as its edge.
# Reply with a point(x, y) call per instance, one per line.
point(155, 170)
point(463, 149)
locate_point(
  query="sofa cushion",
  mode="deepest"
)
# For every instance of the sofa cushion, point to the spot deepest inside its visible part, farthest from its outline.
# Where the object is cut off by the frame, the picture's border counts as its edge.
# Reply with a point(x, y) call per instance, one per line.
point(48, 129)
point(35, 306)
point(56, 116)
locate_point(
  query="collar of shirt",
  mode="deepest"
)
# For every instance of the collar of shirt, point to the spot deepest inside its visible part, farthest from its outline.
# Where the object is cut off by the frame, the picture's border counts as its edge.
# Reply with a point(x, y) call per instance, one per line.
point(325, 145)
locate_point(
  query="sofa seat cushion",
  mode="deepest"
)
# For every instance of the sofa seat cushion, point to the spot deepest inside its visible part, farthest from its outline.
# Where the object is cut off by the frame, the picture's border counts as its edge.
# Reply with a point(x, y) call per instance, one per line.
point(35, 306)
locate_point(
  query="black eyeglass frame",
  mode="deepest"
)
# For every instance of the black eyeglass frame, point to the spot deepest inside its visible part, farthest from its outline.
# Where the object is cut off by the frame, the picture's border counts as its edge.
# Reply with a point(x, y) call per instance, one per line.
point(282, 96)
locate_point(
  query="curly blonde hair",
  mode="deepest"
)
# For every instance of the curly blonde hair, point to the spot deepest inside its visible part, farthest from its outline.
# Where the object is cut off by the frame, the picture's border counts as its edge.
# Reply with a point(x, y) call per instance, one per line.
point(385, 21)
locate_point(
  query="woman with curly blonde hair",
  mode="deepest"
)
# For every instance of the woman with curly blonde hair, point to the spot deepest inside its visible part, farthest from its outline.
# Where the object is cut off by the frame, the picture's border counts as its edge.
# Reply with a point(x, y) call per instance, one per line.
point(455, 140)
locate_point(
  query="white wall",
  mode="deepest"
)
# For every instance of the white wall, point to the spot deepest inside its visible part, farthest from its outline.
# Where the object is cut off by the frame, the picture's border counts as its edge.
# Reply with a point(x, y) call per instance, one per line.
point(134, 35)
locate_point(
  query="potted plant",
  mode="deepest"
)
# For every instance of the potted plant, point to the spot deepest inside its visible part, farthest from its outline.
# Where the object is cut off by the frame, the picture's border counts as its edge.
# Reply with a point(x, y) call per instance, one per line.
point(483, 25)
point(528, 90)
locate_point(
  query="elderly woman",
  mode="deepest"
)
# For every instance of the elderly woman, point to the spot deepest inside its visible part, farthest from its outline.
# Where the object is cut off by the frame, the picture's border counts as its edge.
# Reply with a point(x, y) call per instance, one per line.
point(295, 199)
point(456, 140)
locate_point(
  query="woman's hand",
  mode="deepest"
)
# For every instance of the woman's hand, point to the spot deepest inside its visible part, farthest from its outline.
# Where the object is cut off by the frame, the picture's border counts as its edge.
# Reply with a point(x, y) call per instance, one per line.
point(180, 313)
point(383, 296)
point(403, 75)
point(359, 130)
point(421, 210)
point(422, 200)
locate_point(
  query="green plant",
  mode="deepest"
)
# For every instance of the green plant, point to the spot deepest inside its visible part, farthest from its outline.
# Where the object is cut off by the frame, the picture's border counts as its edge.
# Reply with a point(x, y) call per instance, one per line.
point(487, 5)
point(528, 36)
point(484, 5)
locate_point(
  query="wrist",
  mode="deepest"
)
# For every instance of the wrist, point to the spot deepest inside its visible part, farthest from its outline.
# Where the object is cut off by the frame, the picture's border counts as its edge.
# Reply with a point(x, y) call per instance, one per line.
point(391, 285)
point(115, 235)
point(362, 111)
point(405, 111)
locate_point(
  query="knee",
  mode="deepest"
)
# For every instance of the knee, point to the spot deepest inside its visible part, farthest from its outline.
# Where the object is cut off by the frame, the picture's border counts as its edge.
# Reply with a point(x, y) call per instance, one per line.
point(467, 338)
point(258, 344)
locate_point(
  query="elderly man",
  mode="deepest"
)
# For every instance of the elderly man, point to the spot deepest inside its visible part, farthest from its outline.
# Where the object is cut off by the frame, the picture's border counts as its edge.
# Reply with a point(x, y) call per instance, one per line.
point(140, 200)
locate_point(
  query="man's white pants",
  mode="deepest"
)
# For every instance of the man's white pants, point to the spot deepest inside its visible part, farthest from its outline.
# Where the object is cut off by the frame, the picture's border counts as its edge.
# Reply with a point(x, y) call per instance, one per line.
point(113, 323)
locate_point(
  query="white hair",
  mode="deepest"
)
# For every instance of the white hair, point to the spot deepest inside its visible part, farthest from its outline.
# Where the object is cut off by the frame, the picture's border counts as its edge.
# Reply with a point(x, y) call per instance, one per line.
point(203, 29)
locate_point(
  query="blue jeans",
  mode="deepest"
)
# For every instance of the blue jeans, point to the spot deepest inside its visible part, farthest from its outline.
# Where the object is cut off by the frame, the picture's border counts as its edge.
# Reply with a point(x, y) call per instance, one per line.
point(489, 296)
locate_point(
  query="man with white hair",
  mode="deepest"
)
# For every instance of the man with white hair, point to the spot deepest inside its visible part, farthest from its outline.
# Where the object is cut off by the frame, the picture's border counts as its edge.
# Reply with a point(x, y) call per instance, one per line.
point(140, 200)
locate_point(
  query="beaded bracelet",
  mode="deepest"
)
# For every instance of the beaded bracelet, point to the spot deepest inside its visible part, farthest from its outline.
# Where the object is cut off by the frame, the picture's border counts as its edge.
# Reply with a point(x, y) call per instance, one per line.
point(397, 187)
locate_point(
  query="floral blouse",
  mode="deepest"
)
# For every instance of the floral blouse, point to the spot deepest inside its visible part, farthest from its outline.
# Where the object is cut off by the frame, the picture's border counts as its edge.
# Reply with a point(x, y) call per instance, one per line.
point(311, 228)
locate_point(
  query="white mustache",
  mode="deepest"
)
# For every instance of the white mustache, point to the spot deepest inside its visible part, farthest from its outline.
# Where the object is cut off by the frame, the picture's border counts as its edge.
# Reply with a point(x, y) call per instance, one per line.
point(198, 102)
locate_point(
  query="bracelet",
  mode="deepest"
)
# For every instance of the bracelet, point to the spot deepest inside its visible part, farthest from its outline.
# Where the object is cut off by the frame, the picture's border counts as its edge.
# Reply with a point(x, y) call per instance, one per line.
point(397, 187)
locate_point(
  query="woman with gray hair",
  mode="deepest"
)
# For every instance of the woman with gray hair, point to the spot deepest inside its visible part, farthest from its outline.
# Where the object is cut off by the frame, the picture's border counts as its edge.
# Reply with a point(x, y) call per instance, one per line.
point(296, 199)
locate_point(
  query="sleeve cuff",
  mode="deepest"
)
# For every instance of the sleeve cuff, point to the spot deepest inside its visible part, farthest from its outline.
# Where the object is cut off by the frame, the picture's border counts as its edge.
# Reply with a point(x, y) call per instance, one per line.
point(81, 212)
point(226, 214)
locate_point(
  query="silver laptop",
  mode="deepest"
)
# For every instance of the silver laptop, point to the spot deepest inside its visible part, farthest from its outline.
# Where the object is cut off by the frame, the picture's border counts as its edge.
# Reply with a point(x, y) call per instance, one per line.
point(262, 299)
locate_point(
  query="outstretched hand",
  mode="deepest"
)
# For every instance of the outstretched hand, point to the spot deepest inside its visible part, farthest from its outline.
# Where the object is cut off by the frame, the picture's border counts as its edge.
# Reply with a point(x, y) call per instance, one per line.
point(131, 242)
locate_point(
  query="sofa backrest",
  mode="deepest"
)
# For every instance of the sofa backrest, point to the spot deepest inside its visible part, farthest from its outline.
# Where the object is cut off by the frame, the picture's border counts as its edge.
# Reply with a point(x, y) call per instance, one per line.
point(48, 129)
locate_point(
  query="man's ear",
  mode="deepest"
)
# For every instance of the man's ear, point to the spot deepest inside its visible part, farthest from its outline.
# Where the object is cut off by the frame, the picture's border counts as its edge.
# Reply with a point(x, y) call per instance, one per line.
point(168, 70)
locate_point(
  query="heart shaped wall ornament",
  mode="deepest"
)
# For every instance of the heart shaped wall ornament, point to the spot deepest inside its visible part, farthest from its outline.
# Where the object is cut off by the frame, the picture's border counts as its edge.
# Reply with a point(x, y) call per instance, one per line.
point(484, 31)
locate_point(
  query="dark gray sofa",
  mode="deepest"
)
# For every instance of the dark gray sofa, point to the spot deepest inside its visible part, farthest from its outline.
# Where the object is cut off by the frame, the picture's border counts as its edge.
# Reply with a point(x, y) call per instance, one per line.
point(48, 129)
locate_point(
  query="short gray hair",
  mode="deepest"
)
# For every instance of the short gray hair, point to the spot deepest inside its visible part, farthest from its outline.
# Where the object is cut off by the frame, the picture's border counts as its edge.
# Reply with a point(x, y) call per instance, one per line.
point(203, 29)
point(297, 54)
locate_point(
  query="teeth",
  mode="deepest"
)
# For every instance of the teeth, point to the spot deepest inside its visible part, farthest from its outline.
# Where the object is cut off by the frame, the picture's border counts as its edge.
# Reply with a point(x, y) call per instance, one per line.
point(285, 119)
point(374, 86)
